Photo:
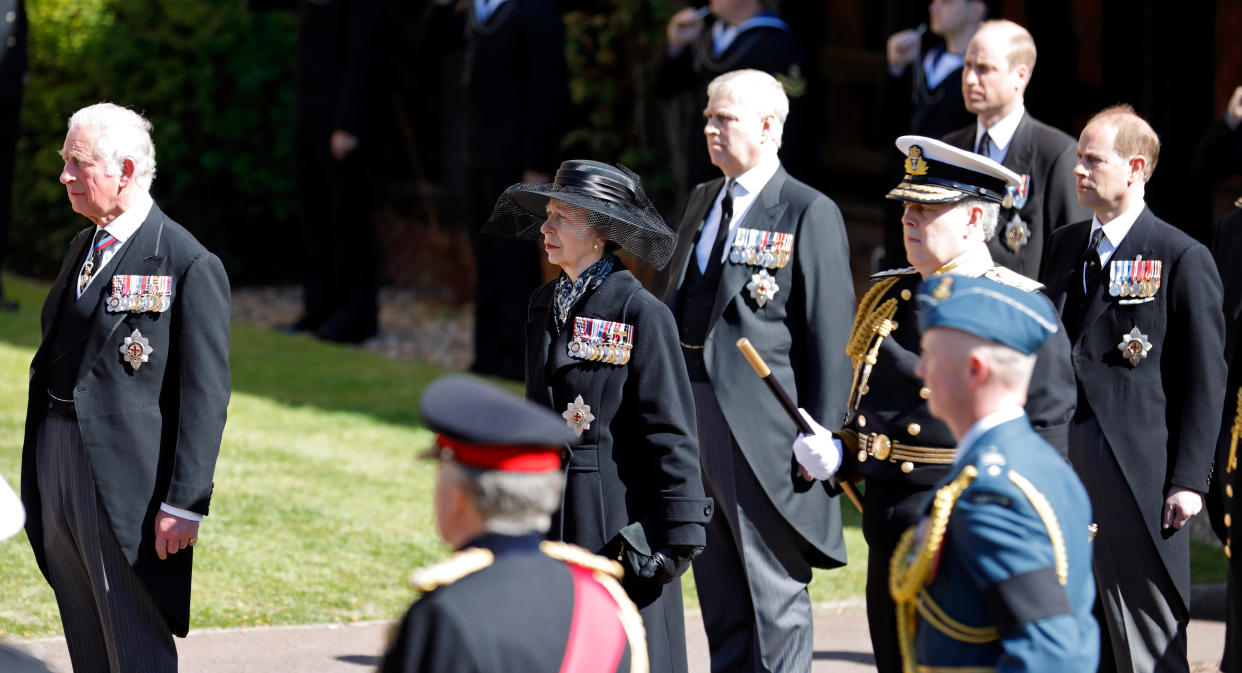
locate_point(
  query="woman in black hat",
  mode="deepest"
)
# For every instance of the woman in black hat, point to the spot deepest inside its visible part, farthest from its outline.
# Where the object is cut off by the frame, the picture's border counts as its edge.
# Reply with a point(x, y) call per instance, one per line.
point(603, 351)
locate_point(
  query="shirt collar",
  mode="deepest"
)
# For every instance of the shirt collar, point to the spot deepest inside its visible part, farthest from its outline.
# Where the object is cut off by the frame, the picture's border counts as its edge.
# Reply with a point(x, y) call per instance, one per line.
point(1003, 130)
point(981, 426)
point(1116, 230)
point(754, 179)
point(128, 222)
point(972, 263)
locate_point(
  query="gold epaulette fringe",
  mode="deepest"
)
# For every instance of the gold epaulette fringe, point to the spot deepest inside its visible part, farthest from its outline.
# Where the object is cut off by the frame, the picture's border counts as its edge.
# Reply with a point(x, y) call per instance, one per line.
point(451, 569)
point(871, 323)
point(572, 553)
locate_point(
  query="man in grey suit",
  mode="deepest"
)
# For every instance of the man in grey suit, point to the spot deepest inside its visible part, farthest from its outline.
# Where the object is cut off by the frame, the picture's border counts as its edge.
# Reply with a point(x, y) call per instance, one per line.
point(128, 394)
point(763, 256)
point(999, 63)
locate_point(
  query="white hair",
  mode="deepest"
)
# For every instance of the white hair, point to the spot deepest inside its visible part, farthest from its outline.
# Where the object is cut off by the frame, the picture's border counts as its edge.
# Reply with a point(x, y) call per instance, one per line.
point(122, 134)
point(758, 92)
point(991, 214)
point(510, 503)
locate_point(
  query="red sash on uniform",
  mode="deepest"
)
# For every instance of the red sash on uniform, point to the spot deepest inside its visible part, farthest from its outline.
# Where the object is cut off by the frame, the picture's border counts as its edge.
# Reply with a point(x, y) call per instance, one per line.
point(597, 639)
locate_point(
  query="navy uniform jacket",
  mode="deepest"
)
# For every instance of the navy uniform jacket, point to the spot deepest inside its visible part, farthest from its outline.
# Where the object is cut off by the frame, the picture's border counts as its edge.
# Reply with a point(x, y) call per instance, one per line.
point(1010, 585)
point(1231, 661)
point(152, 435)
point(1047, 155)
point(800, 333)
point(772, 49)
point(1161, 418)
point(507, 603)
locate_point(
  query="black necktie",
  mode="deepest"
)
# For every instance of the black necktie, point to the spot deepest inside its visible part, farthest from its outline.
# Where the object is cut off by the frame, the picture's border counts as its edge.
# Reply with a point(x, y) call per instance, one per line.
point(1080, 287)
point(1091, 256)
point(722, 230)
point(985, 145)
point(102, 240)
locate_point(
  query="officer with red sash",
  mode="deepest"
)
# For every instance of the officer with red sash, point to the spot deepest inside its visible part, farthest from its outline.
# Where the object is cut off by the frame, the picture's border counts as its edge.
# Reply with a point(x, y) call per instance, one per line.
point(508, 600)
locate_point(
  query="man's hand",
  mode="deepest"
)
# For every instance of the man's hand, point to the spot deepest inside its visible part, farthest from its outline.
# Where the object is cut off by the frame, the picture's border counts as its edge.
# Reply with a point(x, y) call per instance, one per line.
point(342, 143)
point(1180, 505)
point(903, 47)
point(818, 454)
point(172, 534)
point(1233, 110)
point(667, 564)
point(683, 28)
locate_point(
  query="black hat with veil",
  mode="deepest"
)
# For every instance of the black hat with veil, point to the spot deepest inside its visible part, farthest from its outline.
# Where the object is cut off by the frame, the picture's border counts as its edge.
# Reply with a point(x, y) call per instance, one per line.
point(617, 209)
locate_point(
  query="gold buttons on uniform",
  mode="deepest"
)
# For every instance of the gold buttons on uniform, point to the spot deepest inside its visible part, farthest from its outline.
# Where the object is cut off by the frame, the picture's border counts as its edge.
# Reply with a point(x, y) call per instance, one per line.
point(862, 421)
point(924, 392)
point(907, 467)
point(1229, 490)
point(1228, 520)
point(862, 456)
point(905, 294)
point(914, 429)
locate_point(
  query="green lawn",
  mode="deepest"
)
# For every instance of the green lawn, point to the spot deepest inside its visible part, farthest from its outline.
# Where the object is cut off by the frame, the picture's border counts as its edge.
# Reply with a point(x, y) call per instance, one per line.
point(320, 509)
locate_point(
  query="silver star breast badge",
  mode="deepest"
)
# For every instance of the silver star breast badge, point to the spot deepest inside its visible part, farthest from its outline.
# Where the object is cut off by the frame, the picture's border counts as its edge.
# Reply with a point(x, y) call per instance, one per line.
point(1134, 346)
point(136, 349)
point(762, 287)
point(578, 415)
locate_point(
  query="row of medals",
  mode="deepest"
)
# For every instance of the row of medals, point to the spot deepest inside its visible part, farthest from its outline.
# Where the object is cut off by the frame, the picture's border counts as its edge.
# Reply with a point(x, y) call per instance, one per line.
point(769, 258)
point(149, 301)
point(1136, 278)
point(611, 353)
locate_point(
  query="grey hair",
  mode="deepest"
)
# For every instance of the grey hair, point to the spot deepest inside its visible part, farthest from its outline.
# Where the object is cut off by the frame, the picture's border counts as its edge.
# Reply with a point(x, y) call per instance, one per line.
point(1009, 367)
point(510, 503)
point(991, 214)
point(122, 134)
point(759, 92)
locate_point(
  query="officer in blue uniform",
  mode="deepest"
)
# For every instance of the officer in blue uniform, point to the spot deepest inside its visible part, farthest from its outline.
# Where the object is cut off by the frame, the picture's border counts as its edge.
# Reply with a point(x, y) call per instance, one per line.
point(998, 572)
point(509, 600)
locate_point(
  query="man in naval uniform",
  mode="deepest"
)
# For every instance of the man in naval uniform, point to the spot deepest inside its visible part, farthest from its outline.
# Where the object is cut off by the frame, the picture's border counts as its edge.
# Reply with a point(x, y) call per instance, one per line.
point(128, 394)
point(997, 576)
point(508, 600)
point(952, 198)
point(1141, 303)
point(763, 256)
point(999, 62)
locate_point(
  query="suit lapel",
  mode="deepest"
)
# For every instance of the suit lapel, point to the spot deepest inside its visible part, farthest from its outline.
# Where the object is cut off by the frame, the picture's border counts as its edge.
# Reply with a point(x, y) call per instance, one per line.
point(68, 274)
point(1134, 244)
point(1021, 148)
point(765, 213)
point(691, 224)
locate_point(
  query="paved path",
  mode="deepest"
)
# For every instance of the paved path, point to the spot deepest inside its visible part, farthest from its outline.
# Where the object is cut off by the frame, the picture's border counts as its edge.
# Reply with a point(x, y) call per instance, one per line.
point(841, 646)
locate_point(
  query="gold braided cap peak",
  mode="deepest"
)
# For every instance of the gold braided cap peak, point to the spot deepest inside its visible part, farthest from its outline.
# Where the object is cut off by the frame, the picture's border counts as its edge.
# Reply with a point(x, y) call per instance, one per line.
point(572, 553)
point(451, 569)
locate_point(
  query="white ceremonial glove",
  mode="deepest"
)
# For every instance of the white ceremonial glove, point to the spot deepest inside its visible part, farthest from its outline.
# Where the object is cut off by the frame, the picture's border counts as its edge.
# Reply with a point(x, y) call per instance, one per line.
point(819, 454)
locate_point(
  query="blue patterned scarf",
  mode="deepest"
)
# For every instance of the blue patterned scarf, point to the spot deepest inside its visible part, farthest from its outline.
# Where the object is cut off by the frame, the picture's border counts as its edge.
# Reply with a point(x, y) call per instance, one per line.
point(568, 292)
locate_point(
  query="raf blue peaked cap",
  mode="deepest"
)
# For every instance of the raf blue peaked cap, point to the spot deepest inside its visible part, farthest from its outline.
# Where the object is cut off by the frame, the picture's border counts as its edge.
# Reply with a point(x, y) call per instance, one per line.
point(981, 306)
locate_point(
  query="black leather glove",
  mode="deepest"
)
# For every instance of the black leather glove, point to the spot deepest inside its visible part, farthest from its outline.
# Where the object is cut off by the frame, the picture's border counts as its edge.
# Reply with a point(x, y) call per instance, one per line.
point(668, 563)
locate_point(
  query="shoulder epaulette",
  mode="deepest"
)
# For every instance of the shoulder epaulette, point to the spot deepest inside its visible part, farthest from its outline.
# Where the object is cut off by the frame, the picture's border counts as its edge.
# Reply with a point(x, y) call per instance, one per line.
point(451, 569)
point(578, 556)
point(888, 273)
point(1012, 278)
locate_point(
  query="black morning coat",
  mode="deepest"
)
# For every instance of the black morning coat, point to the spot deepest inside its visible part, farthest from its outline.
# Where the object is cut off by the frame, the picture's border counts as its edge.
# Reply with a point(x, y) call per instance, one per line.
point(801, 333)
point(1047, 155)
point(152, 434)
point(1227, 247)
point(638, 462)
point(1162, 416)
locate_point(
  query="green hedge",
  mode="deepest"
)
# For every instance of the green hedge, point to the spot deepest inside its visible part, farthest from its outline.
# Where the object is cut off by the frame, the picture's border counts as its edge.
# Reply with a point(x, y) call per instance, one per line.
point(216, 81)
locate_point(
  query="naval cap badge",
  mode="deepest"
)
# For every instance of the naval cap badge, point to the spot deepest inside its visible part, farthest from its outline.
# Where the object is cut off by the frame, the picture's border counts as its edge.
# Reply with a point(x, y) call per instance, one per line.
point(578, 416)
point(136, 349)
point(762, 287)
point(1134, 346)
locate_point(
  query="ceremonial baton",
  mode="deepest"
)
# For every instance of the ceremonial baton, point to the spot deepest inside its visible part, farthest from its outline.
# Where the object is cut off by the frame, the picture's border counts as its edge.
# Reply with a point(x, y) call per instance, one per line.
point(761, 368)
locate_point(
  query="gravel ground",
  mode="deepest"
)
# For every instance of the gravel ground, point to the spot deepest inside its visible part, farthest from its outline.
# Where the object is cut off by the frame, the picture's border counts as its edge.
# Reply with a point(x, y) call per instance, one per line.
point(411, 328)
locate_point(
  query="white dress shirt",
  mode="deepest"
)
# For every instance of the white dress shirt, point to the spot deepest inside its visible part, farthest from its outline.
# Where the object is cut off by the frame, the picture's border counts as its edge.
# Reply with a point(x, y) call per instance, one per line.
point(1001, 133)
point(121, 229)
point(745, 188)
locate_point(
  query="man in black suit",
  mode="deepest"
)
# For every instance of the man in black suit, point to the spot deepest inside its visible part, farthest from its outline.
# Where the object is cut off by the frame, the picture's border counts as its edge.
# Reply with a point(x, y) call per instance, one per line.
point(1141, 303)
point(763, 256)
point(999, 63)
point(128, 394)
point(737, 34)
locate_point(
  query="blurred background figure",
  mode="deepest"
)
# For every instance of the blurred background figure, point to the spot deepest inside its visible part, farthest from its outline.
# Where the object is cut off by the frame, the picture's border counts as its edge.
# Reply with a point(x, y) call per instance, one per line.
point(727, 35)
point(337, 64)
point(603, 351)
point(922, 92)
point(12, 516)
point(508, 600)
point(12, 84)
point(516, 99)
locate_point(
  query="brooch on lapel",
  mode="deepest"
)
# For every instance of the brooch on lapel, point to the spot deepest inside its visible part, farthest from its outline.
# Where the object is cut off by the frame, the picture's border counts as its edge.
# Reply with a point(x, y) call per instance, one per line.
point(136, 349)
point(578, 416)
point(605, 341)
point(140, 294)
point(763, 287)
point(757, 247)
point(1134, 346)
point(1139, 278)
